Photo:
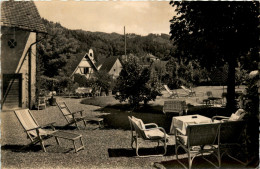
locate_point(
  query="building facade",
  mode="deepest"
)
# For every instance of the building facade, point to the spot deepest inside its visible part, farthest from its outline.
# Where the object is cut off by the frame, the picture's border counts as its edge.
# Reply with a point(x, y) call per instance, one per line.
point(20, 23)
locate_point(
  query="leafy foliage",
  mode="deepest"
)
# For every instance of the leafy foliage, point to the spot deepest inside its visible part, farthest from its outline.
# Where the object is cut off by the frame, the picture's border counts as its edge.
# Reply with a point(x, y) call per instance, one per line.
point(214, 30)
point(215, 33)
point(184, 73)
point(81, 80)
point(103, 80)
point(136, 84)
point(251, 105)
point(241, 75)
point(60, 47)
point(56, 50)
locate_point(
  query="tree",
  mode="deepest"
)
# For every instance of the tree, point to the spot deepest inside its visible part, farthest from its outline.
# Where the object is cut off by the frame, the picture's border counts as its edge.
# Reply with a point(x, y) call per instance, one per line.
point(250, 103)
point(215, 32)
point(102, 80)
point(136, 84)
point(55, 50)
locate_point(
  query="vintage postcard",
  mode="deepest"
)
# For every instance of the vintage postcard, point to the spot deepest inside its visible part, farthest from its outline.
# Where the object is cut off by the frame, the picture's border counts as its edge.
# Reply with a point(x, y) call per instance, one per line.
point(129, 84)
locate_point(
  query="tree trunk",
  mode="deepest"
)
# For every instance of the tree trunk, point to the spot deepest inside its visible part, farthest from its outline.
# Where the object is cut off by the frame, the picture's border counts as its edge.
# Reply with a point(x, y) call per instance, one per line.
point(231, 103)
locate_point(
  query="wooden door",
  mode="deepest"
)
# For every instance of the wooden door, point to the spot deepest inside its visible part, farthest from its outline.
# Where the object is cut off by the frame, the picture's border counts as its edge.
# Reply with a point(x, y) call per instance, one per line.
point(12, 91)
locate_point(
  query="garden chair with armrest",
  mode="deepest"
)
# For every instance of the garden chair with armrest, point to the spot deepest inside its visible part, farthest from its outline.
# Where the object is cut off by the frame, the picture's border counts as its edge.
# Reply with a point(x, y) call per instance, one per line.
point(231, 138)
point(147, 132)
point(75, 117)
point(199, 139)
point(238, 115)
point(37, 134)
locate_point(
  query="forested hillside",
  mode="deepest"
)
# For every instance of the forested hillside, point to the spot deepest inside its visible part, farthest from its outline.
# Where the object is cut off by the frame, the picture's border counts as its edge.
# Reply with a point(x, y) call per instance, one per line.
point(62, 44)
point(58, 50)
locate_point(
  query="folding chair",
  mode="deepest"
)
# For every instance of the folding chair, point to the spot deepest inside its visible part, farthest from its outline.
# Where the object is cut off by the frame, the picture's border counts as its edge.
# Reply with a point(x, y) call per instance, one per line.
point(190, 92)
point(171, 92)
point(37, 134)
point(72, 118)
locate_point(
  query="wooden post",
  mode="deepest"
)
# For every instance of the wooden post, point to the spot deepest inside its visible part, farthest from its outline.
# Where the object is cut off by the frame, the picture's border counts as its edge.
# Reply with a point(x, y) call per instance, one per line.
point(30, 77)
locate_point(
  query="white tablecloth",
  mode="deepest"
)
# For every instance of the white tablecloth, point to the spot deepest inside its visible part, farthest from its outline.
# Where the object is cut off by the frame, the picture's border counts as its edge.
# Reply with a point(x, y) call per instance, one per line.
point(182, 122)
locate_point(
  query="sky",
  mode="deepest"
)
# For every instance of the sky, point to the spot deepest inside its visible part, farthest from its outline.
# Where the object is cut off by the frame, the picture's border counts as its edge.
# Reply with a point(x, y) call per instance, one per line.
point(139, 17)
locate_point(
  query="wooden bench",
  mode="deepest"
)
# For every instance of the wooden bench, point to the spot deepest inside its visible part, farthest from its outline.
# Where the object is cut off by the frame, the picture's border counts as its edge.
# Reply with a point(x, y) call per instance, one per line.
point(175, 106)
point(70, 136)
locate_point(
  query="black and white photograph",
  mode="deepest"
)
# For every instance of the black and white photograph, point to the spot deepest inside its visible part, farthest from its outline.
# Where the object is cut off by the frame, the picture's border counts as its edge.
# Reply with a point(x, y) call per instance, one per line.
point(135, 84)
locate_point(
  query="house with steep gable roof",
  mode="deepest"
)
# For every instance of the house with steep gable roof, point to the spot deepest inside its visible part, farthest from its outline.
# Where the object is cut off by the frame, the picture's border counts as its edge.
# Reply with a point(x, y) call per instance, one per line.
point(20, 23)
point(84, 64)
point(111, 65)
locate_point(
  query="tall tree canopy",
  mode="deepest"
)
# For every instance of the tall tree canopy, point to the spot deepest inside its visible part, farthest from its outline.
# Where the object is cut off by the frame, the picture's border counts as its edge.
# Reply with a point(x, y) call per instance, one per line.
point(215, 33)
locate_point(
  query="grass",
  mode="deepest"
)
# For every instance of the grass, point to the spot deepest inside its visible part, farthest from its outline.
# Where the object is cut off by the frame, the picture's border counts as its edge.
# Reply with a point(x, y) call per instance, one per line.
point(104, 148)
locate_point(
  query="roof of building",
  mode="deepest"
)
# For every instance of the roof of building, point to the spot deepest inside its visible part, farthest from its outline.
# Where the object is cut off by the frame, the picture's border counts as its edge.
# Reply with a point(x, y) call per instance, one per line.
point(108, 63)
point(74, 63)
point(21, 14)
point(100, 62)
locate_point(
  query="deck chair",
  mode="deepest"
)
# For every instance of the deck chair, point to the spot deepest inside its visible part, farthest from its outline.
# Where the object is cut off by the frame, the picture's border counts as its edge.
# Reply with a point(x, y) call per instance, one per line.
point(76, 117)
point(200, 139)
point(171, 92)
point(37, 134)
point(189, 92)
point(147, 132)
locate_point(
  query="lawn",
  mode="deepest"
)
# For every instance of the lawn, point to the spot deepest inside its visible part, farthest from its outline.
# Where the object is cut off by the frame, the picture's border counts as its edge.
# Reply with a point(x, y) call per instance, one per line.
point(108, 147)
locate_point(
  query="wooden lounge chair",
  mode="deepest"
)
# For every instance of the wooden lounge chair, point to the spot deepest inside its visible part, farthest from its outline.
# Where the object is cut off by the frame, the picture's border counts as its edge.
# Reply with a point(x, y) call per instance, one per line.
point(37, 134)
point(147, 132)
point(199, 139)
point(175, 106)
point(171, 92)
point(189, 92)
point(76, 117)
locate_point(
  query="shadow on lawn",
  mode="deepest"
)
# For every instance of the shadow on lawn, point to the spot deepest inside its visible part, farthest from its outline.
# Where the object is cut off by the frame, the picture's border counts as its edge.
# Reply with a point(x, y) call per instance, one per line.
point(116, 115)
point(129, 152)
point(62, 127)
point(22, 148)
point(199, 162)
point(35, 148)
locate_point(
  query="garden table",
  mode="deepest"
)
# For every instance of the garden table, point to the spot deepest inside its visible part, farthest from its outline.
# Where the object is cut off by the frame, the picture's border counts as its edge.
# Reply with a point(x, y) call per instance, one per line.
point(182, 122)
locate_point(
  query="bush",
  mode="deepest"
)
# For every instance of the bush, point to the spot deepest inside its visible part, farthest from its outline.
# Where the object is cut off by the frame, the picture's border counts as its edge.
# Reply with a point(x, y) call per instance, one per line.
point(136, 84)
point(82, 80)
point(102, 80)
point(250, 102)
